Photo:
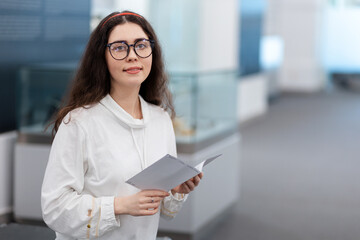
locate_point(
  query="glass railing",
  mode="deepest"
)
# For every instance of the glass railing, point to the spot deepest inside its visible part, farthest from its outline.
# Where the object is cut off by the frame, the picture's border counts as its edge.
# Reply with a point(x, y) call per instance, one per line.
point(205, 105)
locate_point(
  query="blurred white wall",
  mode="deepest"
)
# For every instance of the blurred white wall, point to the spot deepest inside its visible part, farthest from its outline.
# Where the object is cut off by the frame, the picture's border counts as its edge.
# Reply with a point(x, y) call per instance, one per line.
point(139, 6)
point(218, 35)
point(197, 36)
point(299, 23)
point(102, 8)
point(252, 97)
point(341, 38)
point(177, 25)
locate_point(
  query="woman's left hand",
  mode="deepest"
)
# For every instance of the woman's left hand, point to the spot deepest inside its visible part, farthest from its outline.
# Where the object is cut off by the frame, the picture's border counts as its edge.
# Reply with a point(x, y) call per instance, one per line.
point(188, 186)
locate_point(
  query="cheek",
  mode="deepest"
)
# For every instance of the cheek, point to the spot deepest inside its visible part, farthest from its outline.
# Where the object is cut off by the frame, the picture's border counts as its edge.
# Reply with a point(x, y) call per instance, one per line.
point(149, 64)
point(112, 65)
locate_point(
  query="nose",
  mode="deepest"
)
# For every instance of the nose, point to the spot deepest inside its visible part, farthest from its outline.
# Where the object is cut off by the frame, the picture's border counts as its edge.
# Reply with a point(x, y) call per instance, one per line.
point(132, 55)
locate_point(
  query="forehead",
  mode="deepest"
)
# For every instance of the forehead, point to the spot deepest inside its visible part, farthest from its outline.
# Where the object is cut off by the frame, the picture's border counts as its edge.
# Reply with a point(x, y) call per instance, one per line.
point(127, 32)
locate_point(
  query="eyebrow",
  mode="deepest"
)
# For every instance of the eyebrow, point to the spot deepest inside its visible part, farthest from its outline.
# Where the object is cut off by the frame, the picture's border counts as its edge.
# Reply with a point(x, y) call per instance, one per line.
point(137, 39)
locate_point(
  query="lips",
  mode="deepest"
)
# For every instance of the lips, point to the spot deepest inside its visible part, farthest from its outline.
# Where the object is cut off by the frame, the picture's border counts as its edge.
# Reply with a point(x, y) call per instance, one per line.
point(133, 70)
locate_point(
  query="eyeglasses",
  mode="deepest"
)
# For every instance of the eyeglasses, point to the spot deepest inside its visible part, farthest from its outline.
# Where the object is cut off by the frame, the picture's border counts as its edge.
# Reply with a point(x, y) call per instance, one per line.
point(119, 50)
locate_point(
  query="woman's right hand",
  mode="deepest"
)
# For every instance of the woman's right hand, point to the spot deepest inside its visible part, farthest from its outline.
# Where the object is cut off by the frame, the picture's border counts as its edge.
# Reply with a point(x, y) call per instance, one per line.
point(143, 203)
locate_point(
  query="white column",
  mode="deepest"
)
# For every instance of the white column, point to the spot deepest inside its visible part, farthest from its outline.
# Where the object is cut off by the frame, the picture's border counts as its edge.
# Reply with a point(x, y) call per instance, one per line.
point(7, 145)
point(218, 35)
point(299, 23)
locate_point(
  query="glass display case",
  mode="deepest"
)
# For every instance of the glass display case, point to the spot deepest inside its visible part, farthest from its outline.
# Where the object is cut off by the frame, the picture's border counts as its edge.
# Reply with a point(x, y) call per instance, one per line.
point(205, 105)
point(40, 89)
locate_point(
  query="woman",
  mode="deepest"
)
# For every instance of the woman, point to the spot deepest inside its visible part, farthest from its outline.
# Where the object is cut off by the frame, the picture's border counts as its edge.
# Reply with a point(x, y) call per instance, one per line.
point(114, 124)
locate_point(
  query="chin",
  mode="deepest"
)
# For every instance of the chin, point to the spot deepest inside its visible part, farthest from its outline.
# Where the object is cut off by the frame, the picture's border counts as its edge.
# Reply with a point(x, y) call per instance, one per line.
point(135, 83)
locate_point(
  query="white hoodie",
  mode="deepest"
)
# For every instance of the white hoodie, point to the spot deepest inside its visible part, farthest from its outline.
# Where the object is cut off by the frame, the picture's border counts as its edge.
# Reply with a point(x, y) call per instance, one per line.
point(94, 152)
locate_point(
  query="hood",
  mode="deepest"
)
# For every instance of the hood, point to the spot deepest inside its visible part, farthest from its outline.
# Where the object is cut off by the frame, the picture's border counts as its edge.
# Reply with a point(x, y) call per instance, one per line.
point(109, 103)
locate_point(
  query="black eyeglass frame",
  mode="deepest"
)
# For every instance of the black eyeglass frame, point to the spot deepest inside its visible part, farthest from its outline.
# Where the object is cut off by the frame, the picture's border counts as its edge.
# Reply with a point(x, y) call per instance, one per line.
point(152, 44)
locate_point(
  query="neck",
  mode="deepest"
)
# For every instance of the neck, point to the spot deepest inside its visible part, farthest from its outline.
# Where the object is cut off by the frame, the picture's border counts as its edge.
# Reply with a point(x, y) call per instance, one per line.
point(129, 101)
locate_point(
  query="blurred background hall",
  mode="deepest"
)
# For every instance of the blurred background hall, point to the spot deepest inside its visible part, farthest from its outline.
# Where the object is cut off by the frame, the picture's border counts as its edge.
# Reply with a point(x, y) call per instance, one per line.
point(273, 85)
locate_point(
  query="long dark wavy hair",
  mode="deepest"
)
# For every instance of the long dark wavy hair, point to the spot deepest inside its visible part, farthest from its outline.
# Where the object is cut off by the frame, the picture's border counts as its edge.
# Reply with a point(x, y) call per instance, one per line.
point(92, 79)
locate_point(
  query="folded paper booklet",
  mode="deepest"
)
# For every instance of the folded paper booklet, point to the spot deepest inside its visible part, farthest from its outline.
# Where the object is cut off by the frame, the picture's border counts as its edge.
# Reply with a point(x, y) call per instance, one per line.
point(167, 173)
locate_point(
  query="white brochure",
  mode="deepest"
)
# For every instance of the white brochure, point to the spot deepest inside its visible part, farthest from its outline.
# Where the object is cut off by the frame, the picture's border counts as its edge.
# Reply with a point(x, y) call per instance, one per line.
point(167, 173)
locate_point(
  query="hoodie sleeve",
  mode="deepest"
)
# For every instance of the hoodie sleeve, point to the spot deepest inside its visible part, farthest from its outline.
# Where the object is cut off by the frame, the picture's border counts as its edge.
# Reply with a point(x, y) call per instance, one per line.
point(172, 204)
point(65, 208)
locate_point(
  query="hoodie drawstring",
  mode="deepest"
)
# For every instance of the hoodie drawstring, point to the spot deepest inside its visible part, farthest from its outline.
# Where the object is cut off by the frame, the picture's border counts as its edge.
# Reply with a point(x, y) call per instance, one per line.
point(141, 155)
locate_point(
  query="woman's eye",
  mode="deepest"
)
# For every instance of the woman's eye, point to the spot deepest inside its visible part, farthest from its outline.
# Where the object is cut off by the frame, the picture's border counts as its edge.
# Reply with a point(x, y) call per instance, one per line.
point(141, 46)
point(119, 48)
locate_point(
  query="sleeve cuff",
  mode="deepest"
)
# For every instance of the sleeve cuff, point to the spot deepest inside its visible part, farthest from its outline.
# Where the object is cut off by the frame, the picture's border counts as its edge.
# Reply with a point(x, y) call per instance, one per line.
point(107, 205)
point(178, 196)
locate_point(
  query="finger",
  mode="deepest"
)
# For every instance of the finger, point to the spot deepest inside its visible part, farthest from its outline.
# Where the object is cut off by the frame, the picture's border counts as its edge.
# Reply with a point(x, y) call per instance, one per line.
point(154, 199)
point(155, 193)
point(201, 175)
point(190, 184)
point(148, 212)
point(150, 205)
point(149, 199)
point(197, 180)
point(186, 188)
point(158, 199)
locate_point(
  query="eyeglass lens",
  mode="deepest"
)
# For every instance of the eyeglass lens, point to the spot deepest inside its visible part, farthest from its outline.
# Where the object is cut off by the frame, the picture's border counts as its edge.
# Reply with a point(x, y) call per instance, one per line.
point(120, 50)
